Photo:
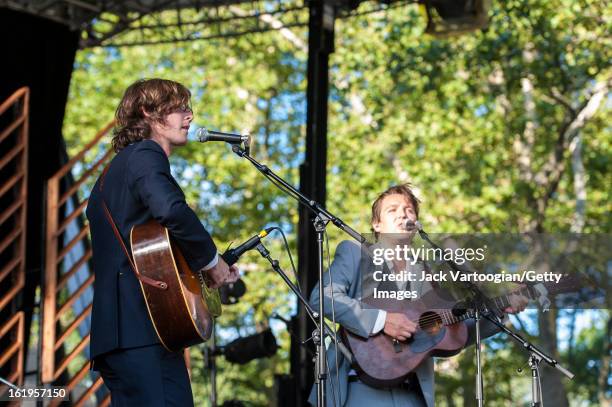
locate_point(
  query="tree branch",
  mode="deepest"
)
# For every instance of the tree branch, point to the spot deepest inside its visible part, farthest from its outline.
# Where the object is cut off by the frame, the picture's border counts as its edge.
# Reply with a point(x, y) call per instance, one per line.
point(575, 149)
point(559, 98)
point(550, 174)
point(523, 144)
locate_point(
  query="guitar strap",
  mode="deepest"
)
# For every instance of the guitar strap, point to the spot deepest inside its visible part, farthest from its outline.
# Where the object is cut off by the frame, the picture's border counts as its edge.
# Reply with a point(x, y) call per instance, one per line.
point(144, 279)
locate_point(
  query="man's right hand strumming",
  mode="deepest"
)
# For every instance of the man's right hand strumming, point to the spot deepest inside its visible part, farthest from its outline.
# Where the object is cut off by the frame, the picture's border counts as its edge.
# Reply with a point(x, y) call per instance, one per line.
point(398, 326)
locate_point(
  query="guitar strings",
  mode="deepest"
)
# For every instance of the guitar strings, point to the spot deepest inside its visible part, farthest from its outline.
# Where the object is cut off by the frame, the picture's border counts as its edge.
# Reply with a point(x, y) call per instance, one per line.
point(448, 318)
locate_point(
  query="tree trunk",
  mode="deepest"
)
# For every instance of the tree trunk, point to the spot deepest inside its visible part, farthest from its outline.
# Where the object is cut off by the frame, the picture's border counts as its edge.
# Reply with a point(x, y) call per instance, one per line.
point(553, 390)
point(468, 370)
point(604, 372)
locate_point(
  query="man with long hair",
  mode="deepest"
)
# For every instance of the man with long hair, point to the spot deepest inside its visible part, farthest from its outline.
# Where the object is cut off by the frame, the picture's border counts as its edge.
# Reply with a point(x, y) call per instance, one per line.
point(153, 118)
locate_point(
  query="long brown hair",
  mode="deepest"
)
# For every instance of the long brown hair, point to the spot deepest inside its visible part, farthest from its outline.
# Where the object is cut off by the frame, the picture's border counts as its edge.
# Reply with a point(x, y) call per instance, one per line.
point(156, 97)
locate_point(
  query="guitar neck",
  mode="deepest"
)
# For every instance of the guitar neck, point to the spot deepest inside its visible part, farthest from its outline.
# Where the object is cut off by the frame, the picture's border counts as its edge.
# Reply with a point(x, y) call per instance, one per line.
point(567, 283)
point(501, 302)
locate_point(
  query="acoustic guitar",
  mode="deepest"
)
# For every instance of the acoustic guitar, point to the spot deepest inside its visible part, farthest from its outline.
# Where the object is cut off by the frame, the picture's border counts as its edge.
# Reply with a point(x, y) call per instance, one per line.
point(183, 312)
point(381, 361)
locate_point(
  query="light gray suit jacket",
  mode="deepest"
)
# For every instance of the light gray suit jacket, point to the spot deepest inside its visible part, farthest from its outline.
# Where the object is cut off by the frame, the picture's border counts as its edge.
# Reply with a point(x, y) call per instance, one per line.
point(353, 316)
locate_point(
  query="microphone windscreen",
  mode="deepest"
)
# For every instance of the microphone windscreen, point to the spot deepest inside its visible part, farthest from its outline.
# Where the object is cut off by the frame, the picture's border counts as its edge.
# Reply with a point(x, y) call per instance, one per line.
point(202, 135)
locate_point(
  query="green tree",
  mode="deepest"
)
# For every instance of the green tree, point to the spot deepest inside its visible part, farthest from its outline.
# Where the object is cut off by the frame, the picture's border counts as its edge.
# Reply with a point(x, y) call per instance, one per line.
point(504, 130)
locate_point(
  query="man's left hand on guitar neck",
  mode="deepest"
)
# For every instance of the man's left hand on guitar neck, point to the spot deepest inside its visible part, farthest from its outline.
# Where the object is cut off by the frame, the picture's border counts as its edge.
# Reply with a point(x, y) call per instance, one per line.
point(518, 303)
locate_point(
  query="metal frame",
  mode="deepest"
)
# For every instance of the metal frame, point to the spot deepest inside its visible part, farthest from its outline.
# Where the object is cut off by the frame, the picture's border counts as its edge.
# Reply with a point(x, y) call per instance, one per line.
point(54, 335)
point(116, 23)
point(14, 267)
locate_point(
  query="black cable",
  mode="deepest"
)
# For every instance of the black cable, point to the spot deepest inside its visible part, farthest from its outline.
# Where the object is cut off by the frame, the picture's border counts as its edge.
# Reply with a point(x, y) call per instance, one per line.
point(335, 388)
point(288, 250)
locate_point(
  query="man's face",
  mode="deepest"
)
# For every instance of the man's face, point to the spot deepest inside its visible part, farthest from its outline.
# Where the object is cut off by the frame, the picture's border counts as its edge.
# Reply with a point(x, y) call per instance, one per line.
point(395, 210)
point(174, 130)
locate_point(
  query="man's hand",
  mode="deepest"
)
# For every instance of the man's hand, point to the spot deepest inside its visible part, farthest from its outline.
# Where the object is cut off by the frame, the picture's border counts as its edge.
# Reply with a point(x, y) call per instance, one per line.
point(218, 275)
point(234, 274)
point(222, 274)
point(398, 326)
point(517, 303)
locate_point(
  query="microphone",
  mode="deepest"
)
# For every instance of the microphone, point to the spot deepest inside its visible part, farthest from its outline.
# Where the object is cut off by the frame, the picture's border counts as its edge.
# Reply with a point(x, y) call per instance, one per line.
point(231, 256)
point(413, 225)
point(205, 135)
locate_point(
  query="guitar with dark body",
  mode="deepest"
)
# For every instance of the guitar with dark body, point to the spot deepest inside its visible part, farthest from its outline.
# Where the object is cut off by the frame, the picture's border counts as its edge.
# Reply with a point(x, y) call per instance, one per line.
point(382, 361)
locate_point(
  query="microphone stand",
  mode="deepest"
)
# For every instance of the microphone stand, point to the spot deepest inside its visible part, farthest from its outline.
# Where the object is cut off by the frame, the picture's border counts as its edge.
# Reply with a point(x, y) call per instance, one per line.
point(536, 355)
point(9, 384)
point(210, 355)
point(311, 313)
point(322, 218)
point(482, 308)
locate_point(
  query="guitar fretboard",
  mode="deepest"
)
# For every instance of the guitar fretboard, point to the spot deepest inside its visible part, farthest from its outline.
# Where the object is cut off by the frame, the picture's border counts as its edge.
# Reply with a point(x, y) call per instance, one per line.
point(567, 283)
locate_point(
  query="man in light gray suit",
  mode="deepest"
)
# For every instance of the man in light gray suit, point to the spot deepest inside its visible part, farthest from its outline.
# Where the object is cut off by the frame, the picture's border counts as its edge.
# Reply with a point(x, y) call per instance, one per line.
point(390, 212)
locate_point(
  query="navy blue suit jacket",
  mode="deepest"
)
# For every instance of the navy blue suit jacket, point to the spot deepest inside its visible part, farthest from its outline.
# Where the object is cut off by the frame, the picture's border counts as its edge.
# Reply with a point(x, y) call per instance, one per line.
point(138, 186)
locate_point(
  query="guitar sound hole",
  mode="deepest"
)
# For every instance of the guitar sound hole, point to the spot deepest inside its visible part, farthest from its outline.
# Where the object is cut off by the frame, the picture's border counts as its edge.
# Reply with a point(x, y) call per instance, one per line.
point(430, 322)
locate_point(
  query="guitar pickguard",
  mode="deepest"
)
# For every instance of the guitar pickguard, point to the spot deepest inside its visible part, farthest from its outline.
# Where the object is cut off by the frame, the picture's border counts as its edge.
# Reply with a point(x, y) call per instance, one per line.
point(423, 341)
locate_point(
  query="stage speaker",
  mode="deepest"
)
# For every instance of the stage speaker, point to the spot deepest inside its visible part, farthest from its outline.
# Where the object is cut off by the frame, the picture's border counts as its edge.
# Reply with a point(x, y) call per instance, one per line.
point(453, 17)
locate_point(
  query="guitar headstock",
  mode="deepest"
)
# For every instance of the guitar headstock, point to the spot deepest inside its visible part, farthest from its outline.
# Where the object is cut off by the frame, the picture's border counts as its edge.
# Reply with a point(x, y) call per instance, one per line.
point(574, 283)
point(569, 282)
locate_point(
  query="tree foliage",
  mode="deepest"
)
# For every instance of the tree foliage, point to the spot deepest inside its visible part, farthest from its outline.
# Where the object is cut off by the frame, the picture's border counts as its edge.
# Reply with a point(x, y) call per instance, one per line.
point(490, 127)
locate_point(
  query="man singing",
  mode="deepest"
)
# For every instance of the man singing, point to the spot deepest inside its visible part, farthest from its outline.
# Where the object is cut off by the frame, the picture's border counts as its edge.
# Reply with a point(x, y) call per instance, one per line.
point(153, 118)
point(391, 212)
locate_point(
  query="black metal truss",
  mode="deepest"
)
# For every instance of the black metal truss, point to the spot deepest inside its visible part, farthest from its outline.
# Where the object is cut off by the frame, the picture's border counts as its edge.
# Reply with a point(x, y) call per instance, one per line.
point(229, 20)
point(143, 22)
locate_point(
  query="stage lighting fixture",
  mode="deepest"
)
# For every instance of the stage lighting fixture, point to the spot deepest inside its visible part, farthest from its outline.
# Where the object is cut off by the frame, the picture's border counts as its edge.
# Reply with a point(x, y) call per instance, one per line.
point(245, 349)
point(452, 17)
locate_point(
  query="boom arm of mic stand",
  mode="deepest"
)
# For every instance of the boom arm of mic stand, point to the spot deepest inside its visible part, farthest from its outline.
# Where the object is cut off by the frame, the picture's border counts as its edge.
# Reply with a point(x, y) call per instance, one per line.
point(275, 265)
point(530, 347)
point(526, 344)
point(322, 218)
point(314, 206)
